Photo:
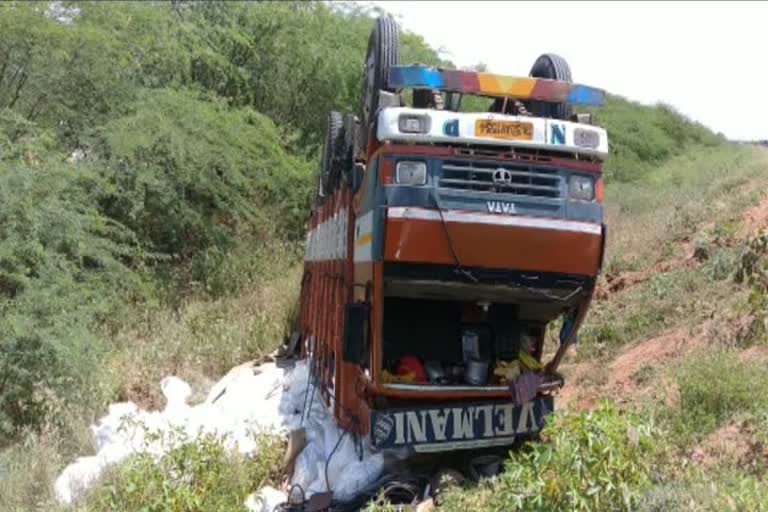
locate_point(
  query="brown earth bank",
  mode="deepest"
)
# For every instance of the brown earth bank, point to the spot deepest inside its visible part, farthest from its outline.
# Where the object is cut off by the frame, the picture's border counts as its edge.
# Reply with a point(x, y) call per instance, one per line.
point(755, 219)
point(734, 443)
point(628, 376)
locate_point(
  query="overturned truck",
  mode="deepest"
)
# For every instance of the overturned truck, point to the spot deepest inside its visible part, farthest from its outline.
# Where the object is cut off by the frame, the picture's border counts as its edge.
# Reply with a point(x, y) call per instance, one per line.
point(451, 226)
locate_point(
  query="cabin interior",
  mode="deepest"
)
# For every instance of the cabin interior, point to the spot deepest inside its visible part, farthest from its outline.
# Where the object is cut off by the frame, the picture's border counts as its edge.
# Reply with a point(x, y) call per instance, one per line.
point(456, 343)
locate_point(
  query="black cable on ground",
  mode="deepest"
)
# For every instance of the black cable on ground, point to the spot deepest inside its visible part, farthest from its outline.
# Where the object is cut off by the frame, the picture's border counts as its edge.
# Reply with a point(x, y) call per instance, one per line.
point(287, 506)
point(397, 489)
point(308, 407)
point(306, 391)
point(328, 460)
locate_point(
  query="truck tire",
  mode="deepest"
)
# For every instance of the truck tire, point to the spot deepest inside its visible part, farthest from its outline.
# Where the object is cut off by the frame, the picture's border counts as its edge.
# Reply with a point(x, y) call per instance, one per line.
point(554, 67)
point(347, 155)
point(332, 150)
point(383, 52)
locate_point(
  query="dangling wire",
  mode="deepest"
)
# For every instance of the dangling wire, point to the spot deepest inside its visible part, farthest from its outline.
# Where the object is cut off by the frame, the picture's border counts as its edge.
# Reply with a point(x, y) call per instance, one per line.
point(328, 460)
point(459, 268)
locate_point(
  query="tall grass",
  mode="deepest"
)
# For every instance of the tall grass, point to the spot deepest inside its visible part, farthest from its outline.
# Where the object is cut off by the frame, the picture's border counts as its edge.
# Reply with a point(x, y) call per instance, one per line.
point(203, 338)
point(679, 197)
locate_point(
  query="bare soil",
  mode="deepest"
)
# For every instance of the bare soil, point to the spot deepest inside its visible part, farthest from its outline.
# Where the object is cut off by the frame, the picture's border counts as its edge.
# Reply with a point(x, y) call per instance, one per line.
point(734, 443)
point(755, 219)
point(630, 375)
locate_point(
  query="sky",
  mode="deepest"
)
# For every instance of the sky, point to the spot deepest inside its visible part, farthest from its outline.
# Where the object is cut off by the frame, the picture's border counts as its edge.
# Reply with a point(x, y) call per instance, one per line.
point(707, 59)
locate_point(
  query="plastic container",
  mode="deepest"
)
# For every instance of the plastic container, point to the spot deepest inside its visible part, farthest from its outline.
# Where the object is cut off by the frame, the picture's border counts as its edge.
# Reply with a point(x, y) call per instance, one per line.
point(476, 372)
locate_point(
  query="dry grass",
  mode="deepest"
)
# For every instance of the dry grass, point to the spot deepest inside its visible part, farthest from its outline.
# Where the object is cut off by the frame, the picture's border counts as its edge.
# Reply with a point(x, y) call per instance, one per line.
point(203, 339)
point(652, 282)
point(648, 221)
point(29, 468)
point(198, 341)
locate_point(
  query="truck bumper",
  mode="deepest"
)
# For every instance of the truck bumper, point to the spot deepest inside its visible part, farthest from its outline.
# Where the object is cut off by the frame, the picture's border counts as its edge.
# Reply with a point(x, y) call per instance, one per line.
point(502, 241)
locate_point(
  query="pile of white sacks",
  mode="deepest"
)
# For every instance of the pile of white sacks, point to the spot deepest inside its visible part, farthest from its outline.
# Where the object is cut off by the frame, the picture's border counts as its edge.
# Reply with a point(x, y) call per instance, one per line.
point(248, 399)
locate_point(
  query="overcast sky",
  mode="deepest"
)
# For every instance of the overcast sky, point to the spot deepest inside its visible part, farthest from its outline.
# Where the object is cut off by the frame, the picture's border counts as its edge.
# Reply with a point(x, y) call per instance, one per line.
point(708, 59)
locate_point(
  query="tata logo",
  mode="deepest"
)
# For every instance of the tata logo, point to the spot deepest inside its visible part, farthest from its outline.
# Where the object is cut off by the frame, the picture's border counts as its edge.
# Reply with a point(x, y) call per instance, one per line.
point(500, 207)
point(502, 176)
point(451, 128)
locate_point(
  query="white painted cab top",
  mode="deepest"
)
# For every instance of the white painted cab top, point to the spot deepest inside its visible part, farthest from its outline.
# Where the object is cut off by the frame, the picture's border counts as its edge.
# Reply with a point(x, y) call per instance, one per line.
point(403, 124)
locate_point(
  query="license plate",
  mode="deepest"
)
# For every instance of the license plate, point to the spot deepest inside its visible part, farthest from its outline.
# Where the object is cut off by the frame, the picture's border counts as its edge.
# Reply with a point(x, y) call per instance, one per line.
point(508, 130)
point(458, 426)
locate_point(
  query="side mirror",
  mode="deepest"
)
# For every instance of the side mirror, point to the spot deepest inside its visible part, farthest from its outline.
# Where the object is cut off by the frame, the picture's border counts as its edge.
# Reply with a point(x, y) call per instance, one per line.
point(358, 174)
point(355, 341)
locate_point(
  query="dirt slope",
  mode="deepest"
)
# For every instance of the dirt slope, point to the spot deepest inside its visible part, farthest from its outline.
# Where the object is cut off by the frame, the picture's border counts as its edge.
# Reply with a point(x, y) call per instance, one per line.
point(626, 375)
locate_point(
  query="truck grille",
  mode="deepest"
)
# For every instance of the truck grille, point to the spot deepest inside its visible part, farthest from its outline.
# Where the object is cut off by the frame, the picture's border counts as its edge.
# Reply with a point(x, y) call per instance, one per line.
point(522, 180)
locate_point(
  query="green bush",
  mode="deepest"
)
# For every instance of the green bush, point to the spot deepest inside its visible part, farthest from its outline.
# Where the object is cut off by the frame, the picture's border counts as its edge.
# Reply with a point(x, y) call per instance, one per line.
point(752, 270)
point(641, 137)
point(715, 388)
point(188, 173)
point(599, 460)
point(64, 268)
point(196, 476)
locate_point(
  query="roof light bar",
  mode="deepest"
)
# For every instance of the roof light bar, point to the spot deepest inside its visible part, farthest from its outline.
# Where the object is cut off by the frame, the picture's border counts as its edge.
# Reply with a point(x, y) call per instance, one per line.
point(487, 84)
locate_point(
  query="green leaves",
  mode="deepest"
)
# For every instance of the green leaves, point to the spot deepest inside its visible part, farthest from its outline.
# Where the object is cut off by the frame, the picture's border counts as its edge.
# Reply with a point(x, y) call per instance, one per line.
point(642, 137)
point(188, 172)
point(197, 122)
point(196, 476)
point(61, 264)
point(598, 460)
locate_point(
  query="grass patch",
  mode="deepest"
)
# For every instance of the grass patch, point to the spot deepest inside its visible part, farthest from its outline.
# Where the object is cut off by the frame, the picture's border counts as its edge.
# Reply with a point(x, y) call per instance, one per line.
point(592, 461)
point(671, 203)
point(196, 476)
point(717, 387)
point(203, 338)
point(677, 298)
point(29, 467)
point(722, 490)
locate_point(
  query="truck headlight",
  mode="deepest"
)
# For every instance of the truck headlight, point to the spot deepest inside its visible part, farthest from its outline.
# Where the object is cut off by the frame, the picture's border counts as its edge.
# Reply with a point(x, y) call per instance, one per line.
point(413, 123)
point(411, 173)
point(581, 188)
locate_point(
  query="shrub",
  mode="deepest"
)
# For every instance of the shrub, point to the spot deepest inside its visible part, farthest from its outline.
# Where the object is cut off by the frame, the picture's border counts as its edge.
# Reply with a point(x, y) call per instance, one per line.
point(188, 173)
point(591, 461)
point(63, 268)
point(196, 476)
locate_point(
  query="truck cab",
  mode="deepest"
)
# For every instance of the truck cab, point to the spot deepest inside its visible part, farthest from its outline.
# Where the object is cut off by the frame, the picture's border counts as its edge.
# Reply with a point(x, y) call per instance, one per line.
point(456, 238)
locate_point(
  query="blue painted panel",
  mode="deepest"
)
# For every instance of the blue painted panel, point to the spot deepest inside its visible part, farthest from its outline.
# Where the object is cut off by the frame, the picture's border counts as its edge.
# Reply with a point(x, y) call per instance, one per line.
point(418, 77)
point(584, 95)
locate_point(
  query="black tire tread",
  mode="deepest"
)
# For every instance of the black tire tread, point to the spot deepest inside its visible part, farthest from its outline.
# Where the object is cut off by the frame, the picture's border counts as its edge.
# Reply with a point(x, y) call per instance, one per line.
point(385, 41)
point(555, 67)
point(334, 139)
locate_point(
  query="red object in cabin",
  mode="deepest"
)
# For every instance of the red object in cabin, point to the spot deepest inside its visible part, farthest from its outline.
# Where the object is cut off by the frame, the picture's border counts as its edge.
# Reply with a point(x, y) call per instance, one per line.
point(411, 364)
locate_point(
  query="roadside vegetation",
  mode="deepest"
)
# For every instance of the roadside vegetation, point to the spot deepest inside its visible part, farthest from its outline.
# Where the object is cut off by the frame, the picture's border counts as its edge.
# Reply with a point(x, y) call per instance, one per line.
point(156, 162)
